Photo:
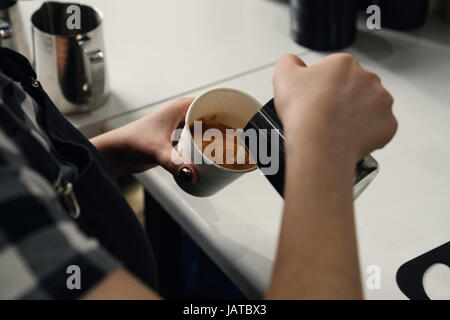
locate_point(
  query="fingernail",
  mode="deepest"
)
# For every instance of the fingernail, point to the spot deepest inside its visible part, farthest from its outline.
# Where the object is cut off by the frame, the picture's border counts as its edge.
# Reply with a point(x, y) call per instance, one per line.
point(186, 174)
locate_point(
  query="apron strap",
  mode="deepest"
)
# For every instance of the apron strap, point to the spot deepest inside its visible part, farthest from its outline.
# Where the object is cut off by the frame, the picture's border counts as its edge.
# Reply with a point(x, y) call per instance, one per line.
point(37, 156)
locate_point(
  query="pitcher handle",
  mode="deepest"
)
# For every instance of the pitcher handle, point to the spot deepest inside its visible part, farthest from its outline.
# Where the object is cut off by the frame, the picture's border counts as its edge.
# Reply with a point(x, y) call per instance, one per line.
point(94, 67)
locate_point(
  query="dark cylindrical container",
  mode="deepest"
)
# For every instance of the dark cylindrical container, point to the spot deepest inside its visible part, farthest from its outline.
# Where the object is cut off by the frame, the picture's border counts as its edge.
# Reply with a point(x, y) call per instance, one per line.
point(5, 4)
point(363, 4)
point(270, 135)
point(403, 14)
point(446, 11)
point(323, 24)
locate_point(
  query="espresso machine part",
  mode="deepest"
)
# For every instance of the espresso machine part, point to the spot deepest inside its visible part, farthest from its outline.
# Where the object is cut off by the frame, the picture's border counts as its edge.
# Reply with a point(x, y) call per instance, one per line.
point(12, 33)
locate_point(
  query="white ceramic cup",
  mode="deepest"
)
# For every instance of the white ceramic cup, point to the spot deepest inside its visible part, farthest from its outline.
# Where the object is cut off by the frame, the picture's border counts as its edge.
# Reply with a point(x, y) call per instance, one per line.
point(231, 107)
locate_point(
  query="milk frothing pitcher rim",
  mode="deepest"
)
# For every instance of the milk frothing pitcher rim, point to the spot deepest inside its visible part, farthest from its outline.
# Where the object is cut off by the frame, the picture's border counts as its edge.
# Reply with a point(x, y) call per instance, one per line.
point(37, 20)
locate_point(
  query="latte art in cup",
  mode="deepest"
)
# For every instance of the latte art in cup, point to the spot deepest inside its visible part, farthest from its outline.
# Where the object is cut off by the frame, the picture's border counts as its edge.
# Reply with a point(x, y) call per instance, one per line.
point(221, 144)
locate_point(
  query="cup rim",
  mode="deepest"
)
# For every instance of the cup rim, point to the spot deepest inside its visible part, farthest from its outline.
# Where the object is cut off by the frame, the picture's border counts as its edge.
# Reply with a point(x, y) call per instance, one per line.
point(71, 36)
point(187, 127)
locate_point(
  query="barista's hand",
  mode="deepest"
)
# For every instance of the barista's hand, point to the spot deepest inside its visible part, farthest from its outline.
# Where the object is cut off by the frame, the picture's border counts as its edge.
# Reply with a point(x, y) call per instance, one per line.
point(147, 142)
point(334, 103)
point(334, 113)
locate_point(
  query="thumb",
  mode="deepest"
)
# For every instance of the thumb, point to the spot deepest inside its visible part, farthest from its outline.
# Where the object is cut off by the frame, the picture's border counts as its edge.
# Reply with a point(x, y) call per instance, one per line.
point(288, 61)
point(171, 160)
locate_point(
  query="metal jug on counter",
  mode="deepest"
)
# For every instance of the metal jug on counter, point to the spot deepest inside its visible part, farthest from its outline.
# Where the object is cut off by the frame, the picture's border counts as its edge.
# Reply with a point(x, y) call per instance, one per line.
point(70, 61)
point(12, 33)
point(267, 120)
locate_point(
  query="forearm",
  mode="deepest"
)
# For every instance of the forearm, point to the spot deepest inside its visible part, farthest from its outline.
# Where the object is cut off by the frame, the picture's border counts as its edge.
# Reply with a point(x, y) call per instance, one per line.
point(121, 285)
point(106, 145)
point(317, 255)
point(115, 148)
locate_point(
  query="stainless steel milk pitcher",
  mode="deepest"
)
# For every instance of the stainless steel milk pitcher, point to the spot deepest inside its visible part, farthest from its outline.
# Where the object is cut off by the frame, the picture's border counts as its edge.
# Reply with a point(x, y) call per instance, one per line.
point(70, 59)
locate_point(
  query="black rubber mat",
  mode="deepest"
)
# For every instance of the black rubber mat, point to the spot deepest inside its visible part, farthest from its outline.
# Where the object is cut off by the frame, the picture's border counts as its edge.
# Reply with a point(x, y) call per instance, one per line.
point(410, 274)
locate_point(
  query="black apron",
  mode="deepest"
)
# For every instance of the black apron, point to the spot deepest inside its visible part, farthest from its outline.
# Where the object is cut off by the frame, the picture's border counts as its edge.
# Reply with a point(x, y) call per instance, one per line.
point(104, 212)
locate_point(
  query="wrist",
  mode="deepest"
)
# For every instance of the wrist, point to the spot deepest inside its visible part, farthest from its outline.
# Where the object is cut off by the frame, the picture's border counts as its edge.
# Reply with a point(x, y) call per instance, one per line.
point(106, 143)
point(309, 141)
point(112, 147)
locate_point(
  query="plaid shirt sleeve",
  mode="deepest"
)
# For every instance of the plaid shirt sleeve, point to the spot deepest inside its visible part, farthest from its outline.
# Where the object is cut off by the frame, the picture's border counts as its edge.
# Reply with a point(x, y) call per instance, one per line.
point(43, 255)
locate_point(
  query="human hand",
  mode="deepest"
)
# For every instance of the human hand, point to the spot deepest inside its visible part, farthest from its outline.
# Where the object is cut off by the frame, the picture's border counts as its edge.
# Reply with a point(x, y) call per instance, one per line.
point(147, 142)
point(334, 104)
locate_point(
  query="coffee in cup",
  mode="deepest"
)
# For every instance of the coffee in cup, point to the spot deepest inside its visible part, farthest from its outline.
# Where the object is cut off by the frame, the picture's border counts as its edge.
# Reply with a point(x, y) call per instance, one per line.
point(221, 110)
point(220, 143)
